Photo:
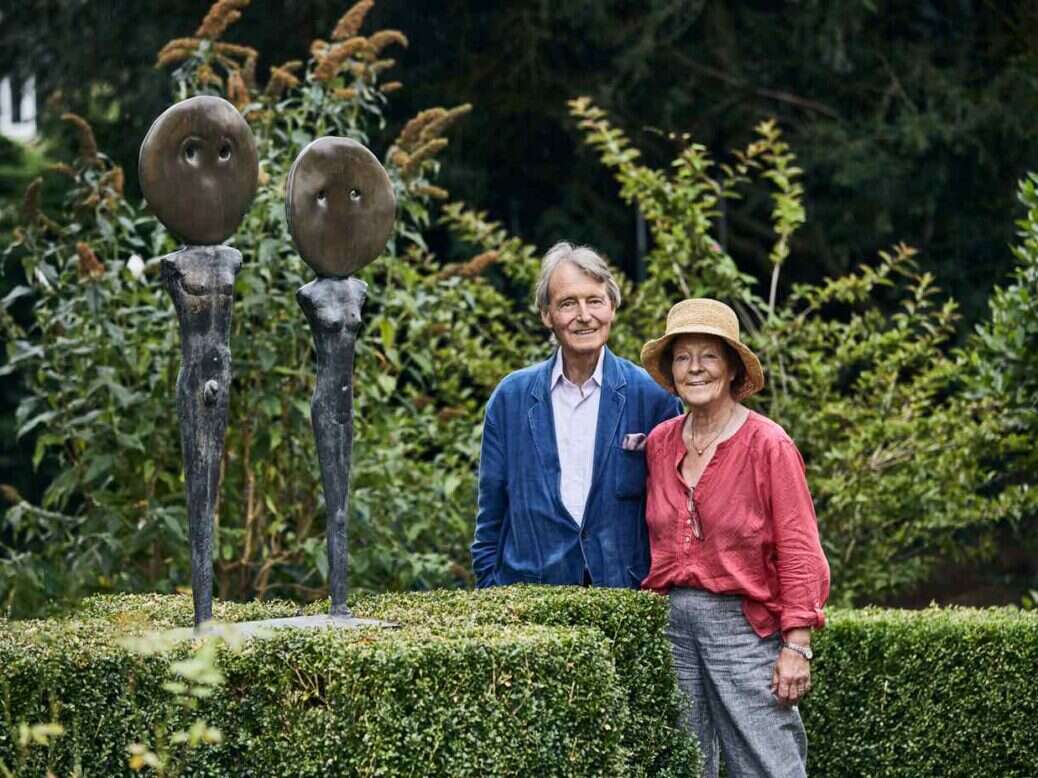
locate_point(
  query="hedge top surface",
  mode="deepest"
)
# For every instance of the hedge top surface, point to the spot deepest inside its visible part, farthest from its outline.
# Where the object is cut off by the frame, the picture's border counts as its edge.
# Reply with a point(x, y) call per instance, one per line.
point(129, 631)
point(130, 614)
point(952, 614)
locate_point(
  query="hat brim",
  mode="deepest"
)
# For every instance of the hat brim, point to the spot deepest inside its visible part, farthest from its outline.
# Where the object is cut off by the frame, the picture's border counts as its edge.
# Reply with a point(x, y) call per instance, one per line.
point(653, 351)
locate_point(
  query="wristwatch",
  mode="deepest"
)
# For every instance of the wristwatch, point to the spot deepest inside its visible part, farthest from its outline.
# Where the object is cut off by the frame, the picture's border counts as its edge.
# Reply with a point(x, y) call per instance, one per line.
point(804, 651)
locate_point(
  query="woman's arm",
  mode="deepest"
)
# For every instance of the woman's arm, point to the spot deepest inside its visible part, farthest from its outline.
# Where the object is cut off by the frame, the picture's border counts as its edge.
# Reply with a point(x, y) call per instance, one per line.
point(802, 568)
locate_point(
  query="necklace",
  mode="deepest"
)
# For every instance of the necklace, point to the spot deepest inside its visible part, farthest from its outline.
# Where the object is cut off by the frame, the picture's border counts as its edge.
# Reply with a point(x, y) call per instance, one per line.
point(724, 426)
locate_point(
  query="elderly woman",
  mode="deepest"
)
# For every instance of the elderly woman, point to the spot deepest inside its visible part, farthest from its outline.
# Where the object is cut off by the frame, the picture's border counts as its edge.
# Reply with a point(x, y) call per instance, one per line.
point(734, 543)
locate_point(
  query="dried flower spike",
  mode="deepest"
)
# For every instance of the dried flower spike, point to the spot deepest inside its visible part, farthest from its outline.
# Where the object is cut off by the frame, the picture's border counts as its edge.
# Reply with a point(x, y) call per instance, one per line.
point(87, 142)
point(176, 51)
point(431, 191)
point(280, 80)
point(440, 125)
point(31, 202)
point(391, 86)
point(333, 60)
point(237, 92)
point(222, 14)
point(425, 151)
point(248, 73)
point(384, 38)
point(89, 265)
point(350, 22)
point(409, 135)
point(478, 264)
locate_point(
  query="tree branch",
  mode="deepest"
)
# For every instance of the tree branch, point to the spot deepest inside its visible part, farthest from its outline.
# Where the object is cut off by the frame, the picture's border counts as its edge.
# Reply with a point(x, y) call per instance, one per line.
point(772, 94)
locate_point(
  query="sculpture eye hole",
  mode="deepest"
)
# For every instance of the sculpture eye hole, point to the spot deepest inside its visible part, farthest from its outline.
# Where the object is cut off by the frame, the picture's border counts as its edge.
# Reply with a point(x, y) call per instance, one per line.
point(321, 197)
point(225, 152)
point(191, 152)
point(355, 195)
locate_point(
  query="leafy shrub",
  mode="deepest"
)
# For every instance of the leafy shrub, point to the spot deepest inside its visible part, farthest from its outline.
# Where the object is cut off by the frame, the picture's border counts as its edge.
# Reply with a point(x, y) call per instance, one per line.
point(523, 681)
point(1005, 349)
point(101, 358)
point(860, 368)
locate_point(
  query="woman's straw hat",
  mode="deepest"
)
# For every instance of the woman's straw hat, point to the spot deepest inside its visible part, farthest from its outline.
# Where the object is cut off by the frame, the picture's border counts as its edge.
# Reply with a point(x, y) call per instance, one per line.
point(702, 316)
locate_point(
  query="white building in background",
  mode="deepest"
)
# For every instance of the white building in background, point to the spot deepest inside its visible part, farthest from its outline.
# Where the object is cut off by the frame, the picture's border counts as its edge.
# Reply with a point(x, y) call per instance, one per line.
point(18, 109)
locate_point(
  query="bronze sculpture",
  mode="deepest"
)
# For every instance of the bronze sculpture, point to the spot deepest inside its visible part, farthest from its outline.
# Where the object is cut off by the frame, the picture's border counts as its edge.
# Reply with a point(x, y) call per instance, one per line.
point(340, 208)
point(198, 170)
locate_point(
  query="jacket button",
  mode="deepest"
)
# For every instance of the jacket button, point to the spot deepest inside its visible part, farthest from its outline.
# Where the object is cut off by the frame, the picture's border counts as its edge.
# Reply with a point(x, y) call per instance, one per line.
point(583, 535)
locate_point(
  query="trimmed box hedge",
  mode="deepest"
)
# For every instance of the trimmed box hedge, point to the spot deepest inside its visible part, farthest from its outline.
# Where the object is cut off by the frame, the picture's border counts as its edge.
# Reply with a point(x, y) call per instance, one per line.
point(938, 692)
point(633, 623)
point(518, 681)
point(469, 685)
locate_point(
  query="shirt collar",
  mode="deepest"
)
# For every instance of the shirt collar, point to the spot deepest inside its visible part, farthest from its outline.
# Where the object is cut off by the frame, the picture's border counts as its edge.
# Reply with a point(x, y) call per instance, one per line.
point(556, 370)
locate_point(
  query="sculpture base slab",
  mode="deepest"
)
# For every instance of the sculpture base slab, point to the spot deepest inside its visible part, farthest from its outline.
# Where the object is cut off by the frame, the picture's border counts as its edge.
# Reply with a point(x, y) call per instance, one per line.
point(264, 628)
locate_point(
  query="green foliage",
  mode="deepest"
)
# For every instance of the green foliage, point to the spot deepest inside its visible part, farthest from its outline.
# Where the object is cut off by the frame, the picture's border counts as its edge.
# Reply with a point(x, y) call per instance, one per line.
point(1005, 348)
point(519, 681)
point(894, 434)
point(933, 692)
point(101, 357)
point(192, 679)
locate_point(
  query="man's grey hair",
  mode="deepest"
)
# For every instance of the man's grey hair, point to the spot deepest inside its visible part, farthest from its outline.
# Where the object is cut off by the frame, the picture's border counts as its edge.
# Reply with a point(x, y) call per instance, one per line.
point(586, 259)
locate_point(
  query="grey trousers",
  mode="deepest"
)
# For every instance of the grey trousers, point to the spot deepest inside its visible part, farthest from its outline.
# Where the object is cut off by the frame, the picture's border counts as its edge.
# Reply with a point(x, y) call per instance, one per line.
point(724, 670)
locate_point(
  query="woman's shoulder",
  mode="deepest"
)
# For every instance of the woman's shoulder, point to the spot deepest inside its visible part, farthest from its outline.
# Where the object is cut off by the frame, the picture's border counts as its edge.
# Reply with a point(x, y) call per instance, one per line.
point(765, 433)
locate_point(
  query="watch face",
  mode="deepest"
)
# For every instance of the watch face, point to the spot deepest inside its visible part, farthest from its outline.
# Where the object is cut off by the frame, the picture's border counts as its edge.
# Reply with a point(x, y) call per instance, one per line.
point(340, 206)
point(199, 170)
point(804, 651)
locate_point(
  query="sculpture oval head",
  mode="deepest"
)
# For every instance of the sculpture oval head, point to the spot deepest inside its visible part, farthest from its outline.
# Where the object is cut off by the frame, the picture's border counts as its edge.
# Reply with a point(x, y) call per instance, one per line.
point(340, 206)
point(198, 169)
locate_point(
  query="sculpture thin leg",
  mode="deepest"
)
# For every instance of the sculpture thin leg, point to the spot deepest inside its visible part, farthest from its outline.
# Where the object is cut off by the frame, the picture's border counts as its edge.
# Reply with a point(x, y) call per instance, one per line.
point(333, 308)
point(200, 279)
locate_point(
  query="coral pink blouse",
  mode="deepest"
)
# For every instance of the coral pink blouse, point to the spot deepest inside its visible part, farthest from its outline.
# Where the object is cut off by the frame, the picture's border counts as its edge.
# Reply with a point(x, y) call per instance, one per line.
point(760, 534)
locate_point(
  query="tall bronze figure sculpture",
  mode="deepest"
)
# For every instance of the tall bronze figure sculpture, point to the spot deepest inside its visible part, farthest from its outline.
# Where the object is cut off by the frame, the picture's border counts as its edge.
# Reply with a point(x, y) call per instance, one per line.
point(340, 208)
point(198, 170)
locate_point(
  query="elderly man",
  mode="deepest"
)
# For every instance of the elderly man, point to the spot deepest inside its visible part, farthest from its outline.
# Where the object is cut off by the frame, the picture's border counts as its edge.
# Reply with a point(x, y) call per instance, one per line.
point(562, 467)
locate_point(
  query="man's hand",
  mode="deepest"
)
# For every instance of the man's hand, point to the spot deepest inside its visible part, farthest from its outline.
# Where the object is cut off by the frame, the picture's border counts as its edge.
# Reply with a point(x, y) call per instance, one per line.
point(791, 678)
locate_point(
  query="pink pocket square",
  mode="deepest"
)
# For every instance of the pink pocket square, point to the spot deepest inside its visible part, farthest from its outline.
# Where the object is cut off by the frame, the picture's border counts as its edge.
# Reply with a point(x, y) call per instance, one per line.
point(634, 441)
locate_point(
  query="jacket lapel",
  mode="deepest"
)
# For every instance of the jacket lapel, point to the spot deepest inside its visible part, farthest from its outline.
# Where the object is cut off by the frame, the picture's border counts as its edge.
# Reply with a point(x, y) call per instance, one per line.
point(610, 411)
point(542, 421)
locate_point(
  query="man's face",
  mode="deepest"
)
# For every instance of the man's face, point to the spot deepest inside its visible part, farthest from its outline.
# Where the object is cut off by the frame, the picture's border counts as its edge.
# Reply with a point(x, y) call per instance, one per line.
point(579, 310)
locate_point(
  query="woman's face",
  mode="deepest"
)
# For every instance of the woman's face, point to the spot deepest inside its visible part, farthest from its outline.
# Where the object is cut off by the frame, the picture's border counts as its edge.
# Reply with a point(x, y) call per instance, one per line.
point(702, 375)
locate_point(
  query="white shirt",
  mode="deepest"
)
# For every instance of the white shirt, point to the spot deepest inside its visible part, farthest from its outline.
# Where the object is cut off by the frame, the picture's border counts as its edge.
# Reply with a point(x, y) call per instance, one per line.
point(575, 409)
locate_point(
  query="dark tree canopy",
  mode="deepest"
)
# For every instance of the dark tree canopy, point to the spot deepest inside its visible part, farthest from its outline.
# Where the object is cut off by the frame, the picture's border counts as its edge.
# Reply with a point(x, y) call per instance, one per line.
point(911, 120)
